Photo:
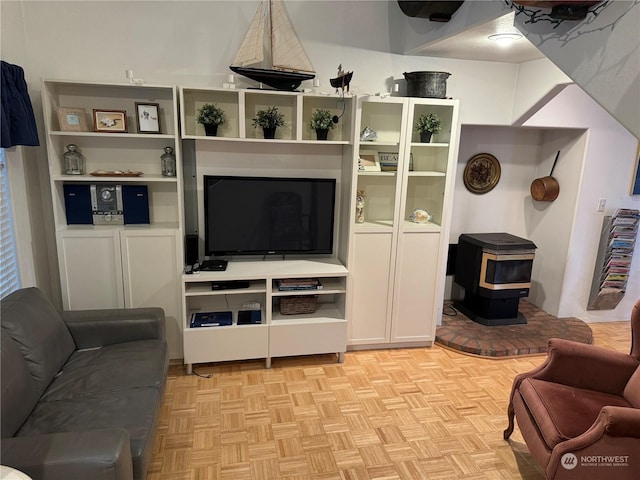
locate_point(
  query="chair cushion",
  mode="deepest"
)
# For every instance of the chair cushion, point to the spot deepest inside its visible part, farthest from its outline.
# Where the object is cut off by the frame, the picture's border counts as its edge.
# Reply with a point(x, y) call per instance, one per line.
point(632, 390)
point(125, 365)
point(30, 319)
point(563, 412)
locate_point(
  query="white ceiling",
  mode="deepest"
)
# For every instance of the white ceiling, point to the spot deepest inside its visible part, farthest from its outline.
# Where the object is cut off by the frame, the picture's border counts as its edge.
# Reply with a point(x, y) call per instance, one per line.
point(474, 44)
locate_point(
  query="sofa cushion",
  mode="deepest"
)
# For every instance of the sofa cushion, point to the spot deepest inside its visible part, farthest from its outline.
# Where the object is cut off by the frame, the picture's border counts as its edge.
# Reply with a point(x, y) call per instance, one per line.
point(125, 365)
point(133, 409)
point(19, 392)
point(563, 412)
point(39, 332)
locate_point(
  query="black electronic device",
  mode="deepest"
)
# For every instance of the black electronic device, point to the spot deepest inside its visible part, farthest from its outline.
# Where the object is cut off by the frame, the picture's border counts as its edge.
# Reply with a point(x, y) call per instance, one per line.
point(77, 204)
point(268, 215)
point(249, 317)
point(213, 265)
point(230, 284)
point(135, 204)
point(190, 249)
point(106, 204)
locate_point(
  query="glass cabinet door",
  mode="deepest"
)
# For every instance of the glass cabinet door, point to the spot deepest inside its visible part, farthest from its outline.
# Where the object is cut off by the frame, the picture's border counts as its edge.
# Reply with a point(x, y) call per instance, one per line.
point(380, 160)
point(426, 168)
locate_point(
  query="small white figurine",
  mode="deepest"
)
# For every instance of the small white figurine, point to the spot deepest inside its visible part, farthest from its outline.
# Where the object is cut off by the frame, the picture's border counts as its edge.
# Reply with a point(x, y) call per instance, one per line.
point(420, 216)
point(360, 206)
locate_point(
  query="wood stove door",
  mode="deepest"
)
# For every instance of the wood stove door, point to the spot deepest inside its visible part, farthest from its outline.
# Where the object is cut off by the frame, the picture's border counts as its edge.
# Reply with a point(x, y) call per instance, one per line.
point(506, 271)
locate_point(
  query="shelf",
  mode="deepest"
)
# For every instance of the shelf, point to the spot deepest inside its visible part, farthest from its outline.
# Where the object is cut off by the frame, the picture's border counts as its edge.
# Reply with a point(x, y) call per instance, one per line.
point(376, 174)
point(409, 226)
point(113, 136)
point(378, 143)
point(104, 228)
point(204, 289)
point(429, 145)
point(429, 173)
point(93, 179)
point(381, 226)
point(330, 286)
point(326, 313)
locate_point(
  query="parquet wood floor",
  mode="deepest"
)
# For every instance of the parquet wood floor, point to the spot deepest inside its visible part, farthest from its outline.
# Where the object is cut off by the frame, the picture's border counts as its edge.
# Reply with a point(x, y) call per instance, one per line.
point(423, 413)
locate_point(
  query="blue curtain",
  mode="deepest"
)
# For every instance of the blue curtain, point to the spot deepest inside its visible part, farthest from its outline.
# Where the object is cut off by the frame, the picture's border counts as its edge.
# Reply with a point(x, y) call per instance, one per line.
point(17, 124)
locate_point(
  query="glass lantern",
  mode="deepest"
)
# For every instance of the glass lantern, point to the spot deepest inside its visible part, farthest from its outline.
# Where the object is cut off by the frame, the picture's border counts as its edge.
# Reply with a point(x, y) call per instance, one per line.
point(73, 160)
point(168, 162)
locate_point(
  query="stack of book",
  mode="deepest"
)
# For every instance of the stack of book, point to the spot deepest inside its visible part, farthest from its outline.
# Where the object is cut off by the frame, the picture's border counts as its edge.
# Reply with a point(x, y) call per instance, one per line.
point(211, 319)
point(296, 284)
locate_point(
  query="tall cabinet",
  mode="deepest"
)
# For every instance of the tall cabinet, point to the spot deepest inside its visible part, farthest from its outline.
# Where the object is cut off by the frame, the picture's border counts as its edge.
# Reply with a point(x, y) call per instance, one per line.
point(397, 265)
point(114, 266)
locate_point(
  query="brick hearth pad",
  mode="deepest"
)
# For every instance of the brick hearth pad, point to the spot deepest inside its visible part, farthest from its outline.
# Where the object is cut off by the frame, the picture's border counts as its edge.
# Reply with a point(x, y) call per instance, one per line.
point(460, 333)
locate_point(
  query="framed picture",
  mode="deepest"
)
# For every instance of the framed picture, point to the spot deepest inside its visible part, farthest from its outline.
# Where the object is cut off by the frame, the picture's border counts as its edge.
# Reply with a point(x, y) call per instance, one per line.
point(635, 183)
point(368, 161)
point(148, 117)
point(389, 161)
point(72, 119)
point(109, 121)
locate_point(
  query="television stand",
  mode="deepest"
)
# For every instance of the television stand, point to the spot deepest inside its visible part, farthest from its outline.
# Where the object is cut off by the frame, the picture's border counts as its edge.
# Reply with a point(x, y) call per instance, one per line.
point(213, 265)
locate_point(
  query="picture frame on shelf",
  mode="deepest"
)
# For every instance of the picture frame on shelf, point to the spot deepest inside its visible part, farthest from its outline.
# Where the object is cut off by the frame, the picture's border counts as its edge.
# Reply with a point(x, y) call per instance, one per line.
point(109, 121)
point(72, 119)
point(148, 117)
point(389, 161)
point(368, 161)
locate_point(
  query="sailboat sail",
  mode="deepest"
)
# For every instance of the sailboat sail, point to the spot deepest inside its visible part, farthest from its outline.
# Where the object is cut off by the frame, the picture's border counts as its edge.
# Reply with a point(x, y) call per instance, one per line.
point(286, 49)
point(252, 49)
point(289, 65)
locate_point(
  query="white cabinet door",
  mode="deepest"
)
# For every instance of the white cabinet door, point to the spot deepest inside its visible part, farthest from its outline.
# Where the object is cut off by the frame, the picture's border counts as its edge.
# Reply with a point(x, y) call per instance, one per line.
point(415, 288)
point(151, 276)
point(90, 269)
point(370, 271)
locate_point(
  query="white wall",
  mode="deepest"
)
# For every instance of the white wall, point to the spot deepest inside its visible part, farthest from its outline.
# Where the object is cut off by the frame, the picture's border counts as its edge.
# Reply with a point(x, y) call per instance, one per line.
point(601, 54)
point(607, 172)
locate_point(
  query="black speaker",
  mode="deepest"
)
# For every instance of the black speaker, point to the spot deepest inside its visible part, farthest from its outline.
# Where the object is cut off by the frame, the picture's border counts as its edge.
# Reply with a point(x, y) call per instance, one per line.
point(77, 204)
point(190, 249)
point(135, 204)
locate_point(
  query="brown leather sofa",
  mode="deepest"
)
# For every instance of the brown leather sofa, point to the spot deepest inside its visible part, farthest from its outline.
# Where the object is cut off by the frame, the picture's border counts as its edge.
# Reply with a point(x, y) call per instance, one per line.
point(579, 412)
point(81, 390)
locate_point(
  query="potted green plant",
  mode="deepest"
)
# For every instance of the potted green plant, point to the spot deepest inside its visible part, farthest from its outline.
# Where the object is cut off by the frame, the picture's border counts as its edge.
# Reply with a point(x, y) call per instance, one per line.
point(210, 116)
point(269, 120)
point(321, 122)
point(427, 125)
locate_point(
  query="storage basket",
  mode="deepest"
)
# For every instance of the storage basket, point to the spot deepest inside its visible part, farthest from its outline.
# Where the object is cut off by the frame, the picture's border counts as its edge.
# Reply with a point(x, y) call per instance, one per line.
point(299, 304)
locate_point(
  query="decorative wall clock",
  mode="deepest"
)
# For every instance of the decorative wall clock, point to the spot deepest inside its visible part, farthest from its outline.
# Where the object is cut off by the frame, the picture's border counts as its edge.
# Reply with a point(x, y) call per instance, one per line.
point(482, 173)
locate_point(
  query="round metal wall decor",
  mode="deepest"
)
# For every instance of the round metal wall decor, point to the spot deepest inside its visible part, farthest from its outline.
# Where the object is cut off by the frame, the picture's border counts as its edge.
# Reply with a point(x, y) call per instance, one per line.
point(482, 173)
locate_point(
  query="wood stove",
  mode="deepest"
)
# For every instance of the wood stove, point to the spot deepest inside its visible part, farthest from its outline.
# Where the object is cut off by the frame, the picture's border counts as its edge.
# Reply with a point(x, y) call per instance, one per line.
point(495, 271)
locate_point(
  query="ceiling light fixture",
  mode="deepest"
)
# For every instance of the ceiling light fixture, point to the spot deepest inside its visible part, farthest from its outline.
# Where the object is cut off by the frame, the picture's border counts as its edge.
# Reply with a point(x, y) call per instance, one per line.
point(505, 39)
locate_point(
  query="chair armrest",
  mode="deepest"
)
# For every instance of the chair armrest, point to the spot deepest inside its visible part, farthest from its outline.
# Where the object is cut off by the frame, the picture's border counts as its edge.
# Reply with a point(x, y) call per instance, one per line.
point(96, 454)
point(96, 328)
point(616, 431)
point(583, 366)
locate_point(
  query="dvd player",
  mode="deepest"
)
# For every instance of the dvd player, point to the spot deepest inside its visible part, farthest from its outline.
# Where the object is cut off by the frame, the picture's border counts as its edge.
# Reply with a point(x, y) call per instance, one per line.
point(230, 284)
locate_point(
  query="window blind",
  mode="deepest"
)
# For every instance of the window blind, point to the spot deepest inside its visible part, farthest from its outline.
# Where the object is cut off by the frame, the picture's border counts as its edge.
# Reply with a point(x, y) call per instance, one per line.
point(9, 275)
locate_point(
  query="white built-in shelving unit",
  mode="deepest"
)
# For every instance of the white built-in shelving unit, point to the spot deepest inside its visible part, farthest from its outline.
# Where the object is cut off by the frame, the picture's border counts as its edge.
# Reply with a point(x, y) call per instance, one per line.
point(115, 266)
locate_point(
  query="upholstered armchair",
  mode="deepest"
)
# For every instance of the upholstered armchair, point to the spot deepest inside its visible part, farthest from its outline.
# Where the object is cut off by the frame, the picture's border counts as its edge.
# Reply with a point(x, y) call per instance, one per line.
point(579, 412)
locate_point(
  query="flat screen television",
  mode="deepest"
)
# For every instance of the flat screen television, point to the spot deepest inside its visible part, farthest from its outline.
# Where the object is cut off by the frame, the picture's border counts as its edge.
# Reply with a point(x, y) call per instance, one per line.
point(268, 215)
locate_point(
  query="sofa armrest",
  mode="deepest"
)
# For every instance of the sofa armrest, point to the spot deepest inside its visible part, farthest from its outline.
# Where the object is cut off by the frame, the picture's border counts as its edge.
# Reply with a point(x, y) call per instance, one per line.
point(96, 454)
point(583, 366)
point(96, 328)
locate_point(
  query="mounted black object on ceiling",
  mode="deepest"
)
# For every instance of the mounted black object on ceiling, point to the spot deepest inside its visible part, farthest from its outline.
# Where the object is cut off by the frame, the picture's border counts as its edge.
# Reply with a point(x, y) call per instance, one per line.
point(434, 11)
point(561, 10)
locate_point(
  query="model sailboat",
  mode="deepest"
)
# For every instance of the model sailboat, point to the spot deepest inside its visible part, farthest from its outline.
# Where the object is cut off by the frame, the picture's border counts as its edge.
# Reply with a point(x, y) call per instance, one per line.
point(288, 63)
